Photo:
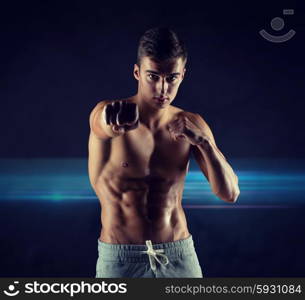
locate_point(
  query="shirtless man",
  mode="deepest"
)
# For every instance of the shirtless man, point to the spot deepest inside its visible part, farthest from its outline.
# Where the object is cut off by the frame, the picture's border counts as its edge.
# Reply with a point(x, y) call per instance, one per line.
point(139, 152)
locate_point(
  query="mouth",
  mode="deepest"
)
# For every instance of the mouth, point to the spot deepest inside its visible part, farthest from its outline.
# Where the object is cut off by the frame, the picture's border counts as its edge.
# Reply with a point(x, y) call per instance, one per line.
point(161, 99)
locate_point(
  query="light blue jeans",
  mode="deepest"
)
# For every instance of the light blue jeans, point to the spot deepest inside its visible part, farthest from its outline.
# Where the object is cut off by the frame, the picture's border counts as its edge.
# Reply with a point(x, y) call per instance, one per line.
point(170, 260)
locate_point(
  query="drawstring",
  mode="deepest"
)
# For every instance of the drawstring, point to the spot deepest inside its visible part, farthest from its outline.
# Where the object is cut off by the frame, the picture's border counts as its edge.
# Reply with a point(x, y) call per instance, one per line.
point(153, 254)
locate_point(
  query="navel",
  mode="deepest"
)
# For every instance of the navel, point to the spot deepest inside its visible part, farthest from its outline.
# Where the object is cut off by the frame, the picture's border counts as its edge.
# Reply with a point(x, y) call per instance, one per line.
point(124, 164)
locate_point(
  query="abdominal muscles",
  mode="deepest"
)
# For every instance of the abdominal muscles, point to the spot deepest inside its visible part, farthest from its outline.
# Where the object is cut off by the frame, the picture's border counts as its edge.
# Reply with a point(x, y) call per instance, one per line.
point(138, 209)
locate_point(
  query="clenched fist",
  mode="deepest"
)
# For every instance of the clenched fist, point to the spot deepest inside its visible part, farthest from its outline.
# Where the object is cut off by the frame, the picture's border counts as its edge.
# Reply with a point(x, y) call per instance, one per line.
point(121, 115)
point(187, 128)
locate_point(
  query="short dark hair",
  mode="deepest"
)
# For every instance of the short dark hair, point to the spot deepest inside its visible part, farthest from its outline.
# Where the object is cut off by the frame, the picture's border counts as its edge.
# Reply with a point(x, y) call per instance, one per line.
point(161, 43)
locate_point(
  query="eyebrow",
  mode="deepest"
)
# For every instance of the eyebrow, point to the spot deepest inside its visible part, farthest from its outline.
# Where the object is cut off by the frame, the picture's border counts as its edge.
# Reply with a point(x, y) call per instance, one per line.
point(154, 72)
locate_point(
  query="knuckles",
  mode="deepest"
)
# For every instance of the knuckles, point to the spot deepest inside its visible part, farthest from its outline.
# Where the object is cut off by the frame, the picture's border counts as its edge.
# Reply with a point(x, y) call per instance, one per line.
point(121, 113)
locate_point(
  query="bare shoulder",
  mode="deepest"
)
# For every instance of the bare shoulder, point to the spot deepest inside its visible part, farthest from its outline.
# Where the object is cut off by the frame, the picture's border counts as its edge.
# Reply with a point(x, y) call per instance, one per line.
point(96, 109)
point(195, 117)
point(100, 104)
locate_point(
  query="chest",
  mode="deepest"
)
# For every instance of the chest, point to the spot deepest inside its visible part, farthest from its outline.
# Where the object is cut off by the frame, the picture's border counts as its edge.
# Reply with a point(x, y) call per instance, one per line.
point(143, 152)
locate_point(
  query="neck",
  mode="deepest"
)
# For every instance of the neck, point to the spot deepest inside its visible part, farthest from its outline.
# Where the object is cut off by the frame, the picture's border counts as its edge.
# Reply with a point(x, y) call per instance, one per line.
point(152, 118)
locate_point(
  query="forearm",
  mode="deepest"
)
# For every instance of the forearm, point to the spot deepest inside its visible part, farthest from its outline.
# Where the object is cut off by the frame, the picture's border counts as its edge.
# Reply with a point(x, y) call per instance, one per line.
point(224, 182)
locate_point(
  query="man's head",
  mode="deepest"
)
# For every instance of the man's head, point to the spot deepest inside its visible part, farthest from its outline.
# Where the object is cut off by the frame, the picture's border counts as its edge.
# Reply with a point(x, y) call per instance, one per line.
point(160, 66)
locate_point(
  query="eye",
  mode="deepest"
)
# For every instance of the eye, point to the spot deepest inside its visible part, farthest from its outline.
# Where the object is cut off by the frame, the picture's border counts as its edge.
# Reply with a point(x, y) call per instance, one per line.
point(153, 77)
point(172, 78)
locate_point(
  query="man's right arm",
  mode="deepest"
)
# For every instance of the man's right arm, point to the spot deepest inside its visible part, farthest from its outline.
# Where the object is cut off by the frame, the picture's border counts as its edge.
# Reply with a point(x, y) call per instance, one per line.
point(97, 125)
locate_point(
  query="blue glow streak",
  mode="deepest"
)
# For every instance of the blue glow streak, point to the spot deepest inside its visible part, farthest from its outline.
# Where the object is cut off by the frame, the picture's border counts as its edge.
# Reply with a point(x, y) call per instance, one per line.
point(46, 180)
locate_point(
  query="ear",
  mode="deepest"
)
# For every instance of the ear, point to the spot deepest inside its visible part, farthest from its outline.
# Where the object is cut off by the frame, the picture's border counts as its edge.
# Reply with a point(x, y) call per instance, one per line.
point(136, 72)
point(184, 70)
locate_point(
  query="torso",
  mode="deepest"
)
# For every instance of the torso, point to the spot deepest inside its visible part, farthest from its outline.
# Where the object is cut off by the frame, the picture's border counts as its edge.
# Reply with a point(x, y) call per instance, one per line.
point(139, 180)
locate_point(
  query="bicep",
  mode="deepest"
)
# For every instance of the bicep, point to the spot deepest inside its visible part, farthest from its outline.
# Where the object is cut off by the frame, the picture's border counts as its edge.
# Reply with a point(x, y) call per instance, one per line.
point(95, 120)
point(98, 156)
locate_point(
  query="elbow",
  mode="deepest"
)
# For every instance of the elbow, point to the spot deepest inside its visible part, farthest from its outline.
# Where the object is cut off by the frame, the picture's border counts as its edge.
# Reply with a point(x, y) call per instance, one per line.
point(229, 197)
point(235, 196)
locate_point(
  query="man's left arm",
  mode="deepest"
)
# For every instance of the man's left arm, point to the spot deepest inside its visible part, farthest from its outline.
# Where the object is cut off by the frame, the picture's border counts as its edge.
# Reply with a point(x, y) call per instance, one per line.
point(223, 180)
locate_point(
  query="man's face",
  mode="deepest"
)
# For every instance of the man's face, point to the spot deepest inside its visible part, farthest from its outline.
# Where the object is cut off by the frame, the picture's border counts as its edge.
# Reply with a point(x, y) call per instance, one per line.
point(159, 81)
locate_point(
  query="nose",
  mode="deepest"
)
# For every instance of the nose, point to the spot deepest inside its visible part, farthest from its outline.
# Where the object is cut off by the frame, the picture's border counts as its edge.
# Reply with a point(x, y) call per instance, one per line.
point(162, 87)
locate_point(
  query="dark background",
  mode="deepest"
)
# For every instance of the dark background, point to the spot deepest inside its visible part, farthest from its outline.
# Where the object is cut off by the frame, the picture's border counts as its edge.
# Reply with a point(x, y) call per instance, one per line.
point(58, 59)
